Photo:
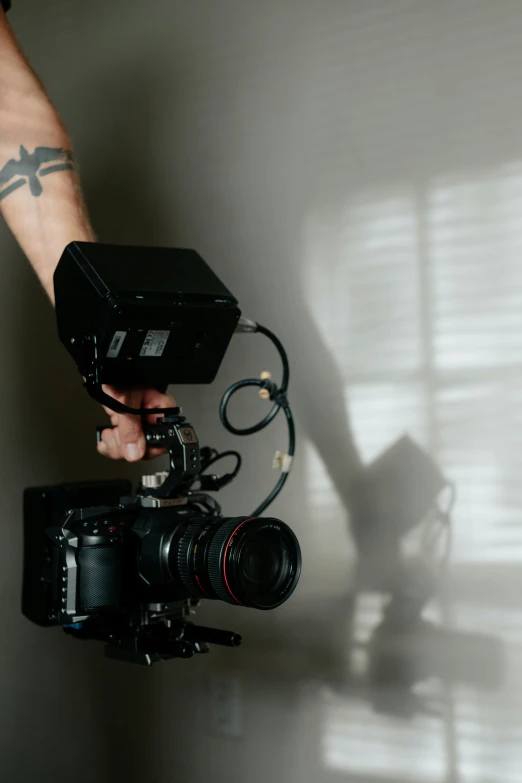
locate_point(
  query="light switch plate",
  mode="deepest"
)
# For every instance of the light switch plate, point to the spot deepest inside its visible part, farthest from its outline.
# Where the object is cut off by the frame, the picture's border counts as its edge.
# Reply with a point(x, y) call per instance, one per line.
point(226, 705)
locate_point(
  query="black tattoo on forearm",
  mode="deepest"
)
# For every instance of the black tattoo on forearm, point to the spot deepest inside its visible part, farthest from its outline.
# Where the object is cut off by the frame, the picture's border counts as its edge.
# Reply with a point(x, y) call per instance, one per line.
point(27, 168)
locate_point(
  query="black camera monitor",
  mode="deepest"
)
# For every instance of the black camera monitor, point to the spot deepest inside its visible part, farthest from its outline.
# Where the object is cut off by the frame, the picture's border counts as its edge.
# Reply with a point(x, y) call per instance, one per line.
point(142, 316)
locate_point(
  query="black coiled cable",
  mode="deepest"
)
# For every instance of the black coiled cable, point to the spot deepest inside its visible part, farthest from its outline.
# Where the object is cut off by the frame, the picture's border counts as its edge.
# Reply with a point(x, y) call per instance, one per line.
point(278, 395)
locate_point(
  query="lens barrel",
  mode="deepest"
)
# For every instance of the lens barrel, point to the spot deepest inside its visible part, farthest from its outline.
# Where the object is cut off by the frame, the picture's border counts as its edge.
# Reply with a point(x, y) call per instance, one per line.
point(246, 561)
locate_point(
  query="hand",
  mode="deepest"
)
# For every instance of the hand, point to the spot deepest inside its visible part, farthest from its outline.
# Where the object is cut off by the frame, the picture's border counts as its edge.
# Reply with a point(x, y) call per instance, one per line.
point(126, 440)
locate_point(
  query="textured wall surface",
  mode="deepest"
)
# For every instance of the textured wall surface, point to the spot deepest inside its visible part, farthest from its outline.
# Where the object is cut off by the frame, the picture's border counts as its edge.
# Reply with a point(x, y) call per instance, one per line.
point(353, 172)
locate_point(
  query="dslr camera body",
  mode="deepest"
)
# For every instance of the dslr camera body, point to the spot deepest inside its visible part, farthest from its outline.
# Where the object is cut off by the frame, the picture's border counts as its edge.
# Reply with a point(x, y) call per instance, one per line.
point(125, 567)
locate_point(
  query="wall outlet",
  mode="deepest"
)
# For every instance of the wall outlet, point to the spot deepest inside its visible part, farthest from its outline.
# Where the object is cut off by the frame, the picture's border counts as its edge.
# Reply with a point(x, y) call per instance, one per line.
point(226, 705)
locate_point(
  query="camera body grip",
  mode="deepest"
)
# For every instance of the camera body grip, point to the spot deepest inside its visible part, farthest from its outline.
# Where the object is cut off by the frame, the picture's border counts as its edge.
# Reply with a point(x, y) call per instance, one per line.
point(99, 576)
point(91, 561)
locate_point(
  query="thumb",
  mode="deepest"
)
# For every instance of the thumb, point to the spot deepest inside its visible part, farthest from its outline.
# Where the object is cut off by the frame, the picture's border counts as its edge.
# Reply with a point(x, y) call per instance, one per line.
point(132, 439)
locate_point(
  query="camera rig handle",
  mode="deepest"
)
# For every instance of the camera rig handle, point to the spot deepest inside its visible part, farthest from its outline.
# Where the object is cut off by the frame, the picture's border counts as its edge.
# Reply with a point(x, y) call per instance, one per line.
point(175, 434)
point(95, 390)
point(94, 386)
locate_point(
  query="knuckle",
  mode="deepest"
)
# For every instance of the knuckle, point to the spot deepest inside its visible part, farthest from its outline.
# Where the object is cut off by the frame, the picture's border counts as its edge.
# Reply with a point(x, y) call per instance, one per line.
point(131, 435)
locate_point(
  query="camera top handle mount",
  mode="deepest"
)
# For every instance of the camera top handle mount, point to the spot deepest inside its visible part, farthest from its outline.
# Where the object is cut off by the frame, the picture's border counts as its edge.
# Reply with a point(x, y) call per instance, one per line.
point(175, 434)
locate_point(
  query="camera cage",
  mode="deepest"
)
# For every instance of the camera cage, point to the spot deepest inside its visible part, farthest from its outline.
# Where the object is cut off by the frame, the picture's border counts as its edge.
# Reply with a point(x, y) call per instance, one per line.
point(109, 296)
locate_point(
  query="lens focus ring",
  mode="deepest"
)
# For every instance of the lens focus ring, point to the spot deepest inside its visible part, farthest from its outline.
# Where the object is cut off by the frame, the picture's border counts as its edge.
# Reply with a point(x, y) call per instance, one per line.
point(185, 550)
point(217, 559)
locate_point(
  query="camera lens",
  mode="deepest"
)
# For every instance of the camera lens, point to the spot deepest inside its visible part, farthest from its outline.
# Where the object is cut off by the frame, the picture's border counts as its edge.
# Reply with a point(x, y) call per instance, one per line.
point(245, 561)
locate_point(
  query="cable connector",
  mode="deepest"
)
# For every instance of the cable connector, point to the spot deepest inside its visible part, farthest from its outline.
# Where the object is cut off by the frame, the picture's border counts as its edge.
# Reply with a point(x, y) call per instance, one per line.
point(245, 326)
point(210, 482)
point(264, 392)
point(282, 461)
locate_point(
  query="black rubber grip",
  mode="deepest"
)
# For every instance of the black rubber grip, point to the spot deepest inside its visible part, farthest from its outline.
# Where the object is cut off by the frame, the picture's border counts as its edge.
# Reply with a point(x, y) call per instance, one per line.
point(100, 571)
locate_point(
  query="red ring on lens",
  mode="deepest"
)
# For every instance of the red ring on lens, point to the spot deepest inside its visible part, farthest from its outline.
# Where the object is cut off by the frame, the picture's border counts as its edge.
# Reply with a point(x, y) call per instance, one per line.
point(225, 557)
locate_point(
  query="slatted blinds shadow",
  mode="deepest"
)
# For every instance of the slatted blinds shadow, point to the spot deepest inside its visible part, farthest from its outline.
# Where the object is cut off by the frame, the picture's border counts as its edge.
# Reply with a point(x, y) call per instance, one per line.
point(420, 300)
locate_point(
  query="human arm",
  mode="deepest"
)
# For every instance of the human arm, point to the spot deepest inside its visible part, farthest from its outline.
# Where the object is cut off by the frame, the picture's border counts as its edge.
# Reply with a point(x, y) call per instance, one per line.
point(40, 193)
point(41, 201)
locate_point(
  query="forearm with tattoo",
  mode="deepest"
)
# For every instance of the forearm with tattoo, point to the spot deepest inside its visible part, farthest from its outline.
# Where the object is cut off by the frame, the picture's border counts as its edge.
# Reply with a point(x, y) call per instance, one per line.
point(42, 202)
point(40, 194)
point(30, 167)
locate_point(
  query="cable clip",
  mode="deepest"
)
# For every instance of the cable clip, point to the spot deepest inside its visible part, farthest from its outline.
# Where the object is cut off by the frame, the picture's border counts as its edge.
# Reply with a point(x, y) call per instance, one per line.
point(282, 461)
point(265, 390)
point(270, 390)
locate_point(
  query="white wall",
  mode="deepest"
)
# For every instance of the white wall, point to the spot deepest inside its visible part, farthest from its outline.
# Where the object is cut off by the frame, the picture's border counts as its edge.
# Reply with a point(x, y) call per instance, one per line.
point(353, 172)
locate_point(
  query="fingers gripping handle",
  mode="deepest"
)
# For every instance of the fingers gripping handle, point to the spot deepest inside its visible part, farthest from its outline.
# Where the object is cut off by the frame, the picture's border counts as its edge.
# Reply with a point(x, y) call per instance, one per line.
point(156, 435)
point(96, 392)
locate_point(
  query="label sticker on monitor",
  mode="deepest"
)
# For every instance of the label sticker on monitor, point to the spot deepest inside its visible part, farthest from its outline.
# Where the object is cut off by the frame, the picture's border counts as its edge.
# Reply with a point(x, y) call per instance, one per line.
point(116, 343)
point(154, 343)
